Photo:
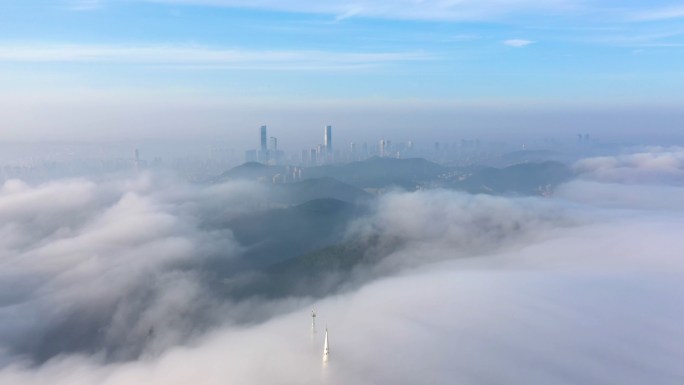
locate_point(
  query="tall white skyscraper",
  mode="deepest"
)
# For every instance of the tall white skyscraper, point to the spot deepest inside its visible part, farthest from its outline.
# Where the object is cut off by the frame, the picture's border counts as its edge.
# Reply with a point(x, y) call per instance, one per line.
point(263, 138)
point(327, 139)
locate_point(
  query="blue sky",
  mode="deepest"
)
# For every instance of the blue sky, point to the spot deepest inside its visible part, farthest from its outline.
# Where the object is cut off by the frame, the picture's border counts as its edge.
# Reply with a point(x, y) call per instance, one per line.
point(492, 52)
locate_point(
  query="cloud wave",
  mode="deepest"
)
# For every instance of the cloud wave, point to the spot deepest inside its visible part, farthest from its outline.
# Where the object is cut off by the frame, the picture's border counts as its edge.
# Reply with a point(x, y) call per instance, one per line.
point(547, 291)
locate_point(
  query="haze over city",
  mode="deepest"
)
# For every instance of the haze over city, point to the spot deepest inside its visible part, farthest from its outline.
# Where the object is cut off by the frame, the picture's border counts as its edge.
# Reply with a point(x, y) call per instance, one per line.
point(368, 192)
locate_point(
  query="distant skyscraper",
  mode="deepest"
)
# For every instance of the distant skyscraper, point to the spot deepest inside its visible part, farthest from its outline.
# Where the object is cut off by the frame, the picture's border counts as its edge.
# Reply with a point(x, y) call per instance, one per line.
point(313, 158)
point(137, 160)
point(327, 139)
point(382, 147)
point(263, 138)
point(274, 144)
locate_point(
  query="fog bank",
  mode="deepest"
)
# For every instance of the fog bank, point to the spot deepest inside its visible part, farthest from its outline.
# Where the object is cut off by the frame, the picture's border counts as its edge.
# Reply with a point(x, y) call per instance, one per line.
point(584, 287)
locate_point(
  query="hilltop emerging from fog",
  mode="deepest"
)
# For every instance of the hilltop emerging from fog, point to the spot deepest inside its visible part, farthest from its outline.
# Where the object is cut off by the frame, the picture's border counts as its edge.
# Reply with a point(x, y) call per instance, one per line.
point(377, 174)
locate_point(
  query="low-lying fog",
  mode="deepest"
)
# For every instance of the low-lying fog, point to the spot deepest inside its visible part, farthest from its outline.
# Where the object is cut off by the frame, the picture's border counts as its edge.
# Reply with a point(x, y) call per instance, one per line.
point(127, 282)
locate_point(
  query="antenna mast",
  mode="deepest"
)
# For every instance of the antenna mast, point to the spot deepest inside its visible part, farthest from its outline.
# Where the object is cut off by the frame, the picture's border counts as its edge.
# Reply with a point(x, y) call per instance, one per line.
point(313, 320)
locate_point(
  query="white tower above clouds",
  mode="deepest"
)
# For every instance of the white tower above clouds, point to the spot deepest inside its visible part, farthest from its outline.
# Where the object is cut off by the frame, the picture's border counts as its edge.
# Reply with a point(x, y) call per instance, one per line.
point(326, 350)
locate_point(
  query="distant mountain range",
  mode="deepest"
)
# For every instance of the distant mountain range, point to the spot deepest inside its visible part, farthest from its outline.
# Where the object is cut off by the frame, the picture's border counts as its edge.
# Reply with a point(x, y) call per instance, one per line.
point(316, 273)
point(317, 188)
point(373, 173)
point(347, 182)
point(250, 171)
point(381, 172)
point(271, 236)
point(300, 246)
point(520, 179)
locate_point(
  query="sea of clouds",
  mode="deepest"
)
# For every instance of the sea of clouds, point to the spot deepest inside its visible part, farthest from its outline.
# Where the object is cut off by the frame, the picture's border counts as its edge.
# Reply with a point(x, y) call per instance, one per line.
point(105, 283)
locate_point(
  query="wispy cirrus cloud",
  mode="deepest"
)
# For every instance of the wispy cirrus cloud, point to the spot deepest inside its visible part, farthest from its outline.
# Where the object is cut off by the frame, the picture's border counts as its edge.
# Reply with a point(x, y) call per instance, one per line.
point(399, 9)
point(655, 14)
point(659, 38)
point(200, 56)
point(460, 10)
point(518, 43)
point(84, 5)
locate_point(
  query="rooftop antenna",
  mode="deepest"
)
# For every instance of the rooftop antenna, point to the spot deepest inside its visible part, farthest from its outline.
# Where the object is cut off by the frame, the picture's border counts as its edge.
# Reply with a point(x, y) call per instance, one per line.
point(326, 350)
point(313, 320)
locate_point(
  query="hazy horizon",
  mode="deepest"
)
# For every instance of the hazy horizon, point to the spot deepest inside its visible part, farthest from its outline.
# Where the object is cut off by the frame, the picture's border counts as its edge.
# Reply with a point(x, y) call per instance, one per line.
point(118, 70)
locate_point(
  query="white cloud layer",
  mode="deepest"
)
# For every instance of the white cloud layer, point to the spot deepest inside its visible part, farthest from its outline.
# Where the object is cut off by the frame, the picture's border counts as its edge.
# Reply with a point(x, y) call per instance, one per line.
point(83, 262)
point(534, 291)
point(560, 312)
point(655, 176)
point(654, 165)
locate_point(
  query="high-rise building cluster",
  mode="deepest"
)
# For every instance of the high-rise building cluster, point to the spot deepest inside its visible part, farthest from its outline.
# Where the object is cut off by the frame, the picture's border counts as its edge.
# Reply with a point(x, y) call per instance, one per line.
point(268, 152)
point(460, 152)
point(321, 154)
point(326, 152)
